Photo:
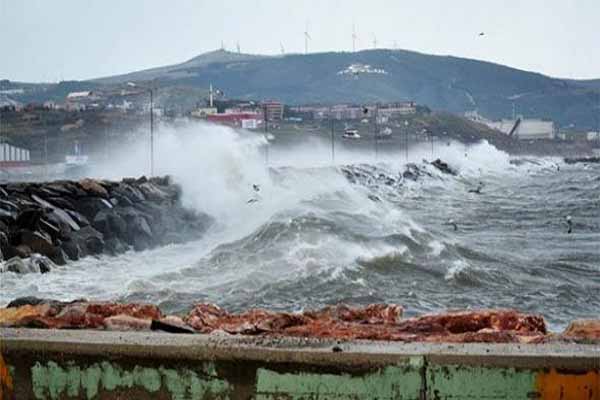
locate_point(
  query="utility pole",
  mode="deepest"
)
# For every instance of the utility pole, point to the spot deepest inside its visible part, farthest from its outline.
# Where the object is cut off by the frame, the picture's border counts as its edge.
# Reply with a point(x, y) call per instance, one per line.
point(266, 134)
point(151, 91)
point(332, 141)
point(45, 153)
point(151, 132)
point(431, 136)
point(375, 131)
point(406, 140)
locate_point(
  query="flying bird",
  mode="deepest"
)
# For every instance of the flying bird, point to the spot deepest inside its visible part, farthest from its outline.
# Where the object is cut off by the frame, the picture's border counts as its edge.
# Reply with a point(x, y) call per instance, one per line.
point(481, 33)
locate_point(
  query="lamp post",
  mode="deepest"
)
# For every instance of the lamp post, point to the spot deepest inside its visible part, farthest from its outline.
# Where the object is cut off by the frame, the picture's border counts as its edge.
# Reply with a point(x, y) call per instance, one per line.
point(376, 131)
point(406, 140)
point(266, 122)
point(431, 137)
point(332, 141)
point(151, 91)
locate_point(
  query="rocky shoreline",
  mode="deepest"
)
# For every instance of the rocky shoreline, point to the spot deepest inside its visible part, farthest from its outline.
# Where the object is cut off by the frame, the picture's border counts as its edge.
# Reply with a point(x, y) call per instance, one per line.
point(42, 224)
point(383, 322)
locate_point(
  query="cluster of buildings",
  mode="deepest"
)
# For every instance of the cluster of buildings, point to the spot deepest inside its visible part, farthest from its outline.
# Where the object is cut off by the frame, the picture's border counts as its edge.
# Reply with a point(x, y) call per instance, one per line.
point(383, 112)
point(247, 115)
point(251, 115)
point(124, 100)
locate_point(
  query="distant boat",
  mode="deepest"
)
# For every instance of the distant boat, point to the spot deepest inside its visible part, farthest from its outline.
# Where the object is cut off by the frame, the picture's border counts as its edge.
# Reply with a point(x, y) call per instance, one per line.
point(351, 134)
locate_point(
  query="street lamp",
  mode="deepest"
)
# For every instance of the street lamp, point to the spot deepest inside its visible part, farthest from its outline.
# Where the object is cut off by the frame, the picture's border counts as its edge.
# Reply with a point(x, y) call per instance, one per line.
point(266, 134)
point(332, 141)
point(406, 139)
point(151, 91)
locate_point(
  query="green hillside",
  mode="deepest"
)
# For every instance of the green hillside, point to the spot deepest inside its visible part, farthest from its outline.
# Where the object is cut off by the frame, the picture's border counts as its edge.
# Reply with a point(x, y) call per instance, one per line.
point(442, 82)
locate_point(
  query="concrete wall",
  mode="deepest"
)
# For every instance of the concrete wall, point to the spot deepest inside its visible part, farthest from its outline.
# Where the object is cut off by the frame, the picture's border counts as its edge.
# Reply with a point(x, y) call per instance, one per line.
point(535, 129)
point(103, 365)
point(528, 129)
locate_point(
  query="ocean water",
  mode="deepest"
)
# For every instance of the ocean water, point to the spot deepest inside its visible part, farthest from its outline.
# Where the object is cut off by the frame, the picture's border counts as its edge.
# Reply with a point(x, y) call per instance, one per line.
point(354, 231)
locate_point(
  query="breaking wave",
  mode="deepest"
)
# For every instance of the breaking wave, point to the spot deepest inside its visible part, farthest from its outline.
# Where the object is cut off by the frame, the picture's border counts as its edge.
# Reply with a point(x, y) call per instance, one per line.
point(360, 230)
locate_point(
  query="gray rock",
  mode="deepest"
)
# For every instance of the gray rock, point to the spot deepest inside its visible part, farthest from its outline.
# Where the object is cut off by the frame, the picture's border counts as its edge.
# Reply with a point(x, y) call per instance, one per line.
point(72, 249)
point(114, 246)
point(35, 264)
point(38, 242)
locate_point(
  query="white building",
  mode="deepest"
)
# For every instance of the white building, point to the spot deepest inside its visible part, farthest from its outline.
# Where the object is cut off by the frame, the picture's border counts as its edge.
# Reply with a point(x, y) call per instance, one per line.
point(74, 96)
point(13, 154)
point(203, 112)
point(593, 135)
point(249, 123)
point(524, 128)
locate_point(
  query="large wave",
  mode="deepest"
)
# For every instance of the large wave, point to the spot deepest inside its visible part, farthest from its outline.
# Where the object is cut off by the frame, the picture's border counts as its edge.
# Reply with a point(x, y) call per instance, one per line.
point(359, 230)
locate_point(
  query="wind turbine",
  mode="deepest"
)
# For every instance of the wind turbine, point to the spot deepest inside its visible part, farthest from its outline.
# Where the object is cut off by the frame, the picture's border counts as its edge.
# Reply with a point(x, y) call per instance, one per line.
point(374, 41)
point(237, 45)
point(281, 48)
point(306, 39)
point(354, 37)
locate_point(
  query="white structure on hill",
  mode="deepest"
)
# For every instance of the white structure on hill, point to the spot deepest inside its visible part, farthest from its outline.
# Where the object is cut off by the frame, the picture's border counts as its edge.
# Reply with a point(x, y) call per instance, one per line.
point(520, 128)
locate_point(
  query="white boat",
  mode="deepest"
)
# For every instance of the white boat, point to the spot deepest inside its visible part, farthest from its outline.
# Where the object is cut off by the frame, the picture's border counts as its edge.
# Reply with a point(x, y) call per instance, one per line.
point(351, 134)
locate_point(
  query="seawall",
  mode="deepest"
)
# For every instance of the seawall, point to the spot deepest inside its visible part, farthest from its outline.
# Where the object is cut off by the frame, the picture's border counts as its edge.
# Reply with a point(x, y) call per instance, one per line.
point(50, 364)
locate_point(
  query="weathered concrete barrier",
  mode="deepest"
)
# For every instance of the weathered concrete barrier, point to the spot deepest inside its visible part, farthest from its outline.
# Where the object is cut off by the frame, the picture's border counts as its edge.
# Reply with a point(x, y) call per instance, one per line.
point(65, 220)
point(51, 364)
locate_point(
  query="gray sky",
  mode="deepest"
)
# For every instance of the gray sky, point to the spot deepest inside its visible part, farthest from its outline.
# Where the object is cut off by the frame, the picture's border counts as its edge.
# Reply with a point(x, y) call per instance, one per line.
point(43, 40)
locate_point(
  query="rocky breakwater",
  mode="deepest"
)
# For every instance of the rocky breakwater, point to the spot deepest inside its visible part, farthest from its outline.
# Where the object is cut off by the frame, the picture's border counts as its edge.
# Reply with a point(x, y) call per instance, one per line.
point(42, 224)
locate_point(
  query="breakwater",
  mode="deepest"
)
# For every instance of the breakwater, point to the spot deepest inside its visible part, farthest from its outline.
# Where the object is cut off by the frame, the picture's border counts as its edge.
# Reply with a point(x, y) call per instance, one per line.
point(42, 224)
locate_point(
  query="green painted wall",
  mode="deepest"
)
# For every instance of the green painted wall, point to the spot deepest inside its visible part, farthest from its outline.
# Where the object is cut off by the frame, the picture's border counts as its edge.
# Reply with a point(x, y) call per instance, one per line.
point(64, 378)
point(465, 382)
point(53, 381)
point(393, 382)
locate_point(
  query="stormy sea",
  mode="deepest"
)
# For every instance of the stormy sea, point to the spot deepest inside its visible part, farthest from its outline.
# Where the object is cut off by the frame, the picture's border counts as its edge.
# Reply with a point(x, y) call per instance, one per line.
point(299, 228)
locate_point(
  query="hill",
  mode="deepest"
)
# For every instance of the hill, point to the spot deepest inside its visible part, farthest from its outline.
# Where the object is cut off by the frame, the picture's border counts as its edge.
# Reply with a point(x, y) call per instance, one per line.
point(444, 83)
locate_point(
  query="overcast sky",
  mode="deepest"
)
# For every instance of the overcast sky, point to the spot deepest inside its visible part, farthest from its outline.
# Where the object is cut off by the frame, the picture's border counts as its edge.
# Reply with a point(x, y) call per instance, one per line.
point(44, 40)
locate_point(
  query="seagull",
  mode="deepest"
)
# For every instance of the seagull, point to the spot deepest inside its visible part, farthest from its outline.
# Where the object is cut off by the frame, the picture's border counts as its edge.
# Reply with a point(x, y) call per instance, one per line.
point(478, 190)
point(453, 224)
point(569, 223)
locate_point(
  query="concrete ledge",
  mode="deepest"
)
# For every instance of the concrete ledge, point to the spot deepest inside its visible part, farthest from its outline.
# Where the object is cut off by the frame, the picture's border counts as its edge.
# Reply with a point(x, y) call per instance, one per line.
point(91, 364)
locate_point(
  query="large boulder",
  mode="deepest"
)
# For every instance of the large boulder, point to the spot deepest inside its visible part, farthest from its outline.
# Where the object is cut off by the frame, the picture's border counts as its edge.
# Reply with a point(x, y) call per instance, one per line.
point(35, 264)
point(114, 246)
point(90, 206)
point(28, 218)
point(444, 167)
point(89, 239)
point(38, 242)
point(109, 223)
point(72, 249)
point(583, 329)
point(93, 188)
